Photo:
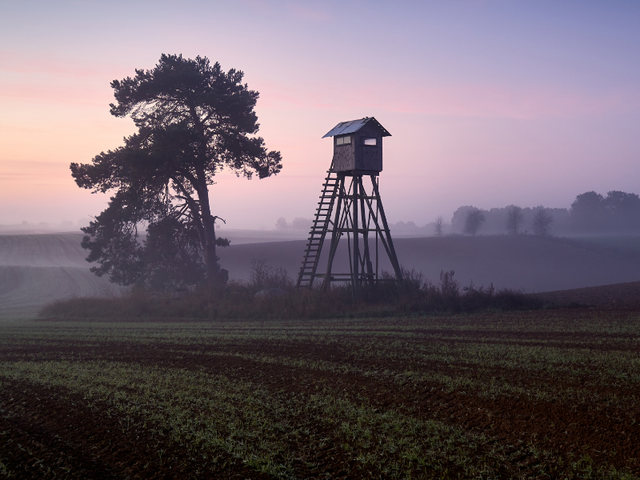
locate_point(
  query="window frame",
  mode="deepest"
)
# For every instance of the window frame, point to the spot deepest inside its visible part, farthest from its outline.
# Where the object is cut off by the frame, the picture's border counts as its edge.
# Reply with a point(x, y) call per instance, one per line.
point(343, 143)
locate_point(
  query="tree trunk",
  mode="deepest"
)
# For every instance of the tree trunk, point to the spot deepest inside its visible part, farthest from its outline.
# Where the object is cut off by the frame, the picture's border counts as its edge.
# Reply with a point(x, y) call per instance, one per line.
point(208, 223)
point(211, 259)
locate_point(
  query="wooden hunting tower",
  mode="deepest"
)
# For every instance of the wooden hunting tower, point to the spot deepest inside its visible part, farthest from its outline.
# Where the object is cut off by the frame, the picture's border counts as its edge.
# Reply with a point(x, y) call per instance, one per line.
point(357, 146)
point(346, 209)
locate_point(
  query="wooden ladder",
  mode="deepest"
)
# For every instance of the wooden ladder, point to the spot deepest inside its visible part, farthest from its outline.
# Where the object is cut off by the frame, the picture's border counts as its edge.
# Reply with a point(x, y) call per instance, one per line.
point(318, 231)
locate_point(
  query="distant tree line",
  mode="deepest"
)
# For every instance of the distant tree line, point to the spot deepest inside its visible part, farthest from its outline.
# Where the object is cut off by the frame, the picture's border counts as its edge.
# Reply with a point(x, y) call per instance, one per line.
point(511, 219)
point(591, 212)
point(618, 212)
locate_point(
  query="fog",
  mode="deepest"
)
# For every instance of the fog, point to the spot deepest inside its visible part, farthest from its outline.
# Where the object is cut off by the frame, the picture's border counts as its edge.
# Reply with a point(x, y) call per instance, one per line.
point(593, 242)
point(526, 262)
point(36, 269)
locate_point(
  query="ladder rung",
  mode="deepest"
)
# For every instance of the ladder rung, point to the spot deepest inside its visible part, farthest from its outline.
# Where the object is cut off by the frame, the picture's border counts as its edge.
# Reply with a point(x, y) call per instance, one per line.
point(319, 229)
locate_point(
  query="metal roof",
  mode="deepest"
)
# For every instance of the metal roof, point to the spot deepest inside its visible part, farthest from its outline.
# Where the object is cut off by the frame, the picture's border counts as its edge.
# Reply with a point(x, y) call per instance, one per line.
point(352, 126)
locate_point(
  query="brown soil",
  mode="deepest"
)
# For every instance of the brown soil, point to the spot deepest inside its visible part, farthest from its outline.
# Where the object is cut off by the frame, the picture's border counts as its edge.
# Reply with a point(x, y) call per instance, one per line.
point(620, 295)
point(48, 433)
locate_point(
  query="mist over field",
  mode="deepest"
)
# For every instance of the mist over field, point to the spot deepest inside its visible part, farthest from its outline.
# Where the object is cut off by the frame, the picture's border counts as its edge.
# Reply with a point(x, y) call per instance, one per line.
point(525, 263)
point(36, 269)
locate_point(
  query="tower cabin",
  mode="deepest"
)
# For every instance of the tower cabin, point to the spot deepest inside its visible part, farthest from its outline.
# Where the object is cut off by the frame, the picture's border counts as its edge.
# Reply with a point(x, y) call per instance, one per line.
point(357, 146)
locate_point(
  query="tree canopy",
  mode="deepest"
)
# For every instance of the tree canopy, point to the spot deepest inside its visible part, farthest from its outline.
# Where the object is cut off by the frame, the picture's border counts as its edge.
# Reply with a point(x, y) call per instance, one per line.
point(542, 221)
point(193, 120)
point(515, 217)
point(473, 222)
point(617, 212)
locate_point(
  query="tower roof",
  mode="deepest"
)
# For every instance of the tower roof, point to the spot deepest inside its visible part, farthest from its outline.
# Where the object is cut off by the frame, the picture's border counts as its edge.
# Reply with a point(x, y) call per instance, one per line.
point(352, 126)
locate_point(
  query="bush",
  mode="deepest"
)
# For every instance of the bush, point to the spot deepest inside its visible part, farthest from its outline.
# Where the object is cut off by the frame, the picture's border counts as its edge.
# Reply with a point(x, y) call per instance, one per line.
point(238, 300)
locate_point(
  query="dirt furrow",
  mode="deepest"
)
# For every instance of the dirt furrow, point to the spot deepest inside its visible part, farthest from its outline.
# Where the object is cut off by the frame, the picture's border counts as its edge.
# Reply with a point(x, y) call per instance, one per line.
point(603, 432)
point(51, 433)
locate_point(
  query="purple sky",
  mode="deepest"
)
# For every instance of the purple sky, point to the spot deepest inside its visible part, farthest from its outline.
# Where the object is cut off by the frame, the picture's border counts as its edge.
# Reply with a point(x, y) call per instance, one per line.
point(489, 103)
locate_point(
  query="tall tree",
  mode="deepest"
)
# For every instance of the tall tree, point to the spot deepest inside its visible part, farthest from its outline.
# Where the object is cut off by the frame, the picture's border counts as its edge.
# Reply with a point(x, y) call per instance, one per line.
point(542, 221)
point(193, 120)
point(617, 212)
point(622, 211)
point(473, 222)
point(459, 218)
point(515, 217)
point(588, 212)
point(438, 226)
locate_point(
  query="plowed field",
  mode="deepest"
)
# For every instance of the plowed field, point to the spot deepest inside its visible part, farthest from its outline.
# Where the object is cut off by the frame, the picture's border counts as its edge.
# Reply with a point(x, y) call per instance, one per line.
point(549, 394)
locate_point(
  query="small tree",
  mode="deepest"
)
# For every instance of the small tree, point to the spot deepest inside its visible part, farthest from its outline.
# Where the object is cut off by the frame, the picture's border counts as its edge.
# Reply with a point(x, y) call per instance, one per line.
point(515, 216)
point(438, 225)
point(473, 222)
point(542, 221)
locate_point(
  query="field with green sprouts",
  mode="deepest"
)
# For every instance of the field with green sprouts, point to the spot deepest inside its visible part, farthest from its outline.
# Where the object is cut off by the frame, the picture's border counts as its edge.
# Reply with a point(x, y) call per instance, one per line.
point(544, 394)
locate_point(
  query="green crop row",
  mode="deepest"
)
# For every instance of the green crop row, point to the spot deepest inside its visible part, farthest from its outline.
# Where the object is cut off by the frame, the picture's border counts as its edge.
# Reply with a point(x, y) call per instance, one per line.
point(269, 430)
point(275, 431)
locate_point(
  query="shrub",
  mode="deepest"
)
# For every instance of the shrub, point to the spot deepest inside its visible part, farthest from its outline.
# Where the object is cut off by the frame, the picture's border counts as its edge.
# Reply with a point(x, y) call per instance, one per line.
point(238, 301)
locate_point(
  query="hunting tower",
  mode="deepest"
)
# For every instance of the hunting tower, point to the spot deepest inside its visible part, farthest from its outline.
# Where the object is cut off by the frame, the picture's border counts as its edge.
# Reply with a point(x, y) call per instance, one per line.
point(347, 208)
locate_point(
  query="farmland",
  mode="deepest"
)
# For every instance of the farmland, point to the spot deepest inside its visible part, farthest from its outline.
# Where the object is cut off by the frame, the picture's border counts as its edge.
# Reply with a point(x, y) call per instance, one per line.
point(543, 394)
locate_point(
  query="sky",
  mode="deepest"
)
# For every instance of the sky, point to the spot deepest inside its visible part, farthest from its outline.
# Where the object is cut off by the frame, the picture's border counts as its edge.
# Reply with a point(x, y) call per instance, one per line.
point(489, 102)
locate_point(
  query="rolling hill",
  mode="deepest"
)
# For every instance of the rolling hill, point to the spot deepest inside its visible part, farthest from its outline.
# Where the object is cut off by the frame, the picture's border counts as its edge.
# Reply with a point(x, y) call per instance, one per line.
point(36, 269)
point(524, 262)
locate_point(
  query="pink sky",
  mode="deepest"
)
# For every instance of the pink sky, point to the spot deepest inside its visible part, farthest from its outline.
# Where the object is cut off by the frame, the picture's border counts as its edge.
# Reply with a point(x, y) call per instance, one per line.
point(489, 102)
